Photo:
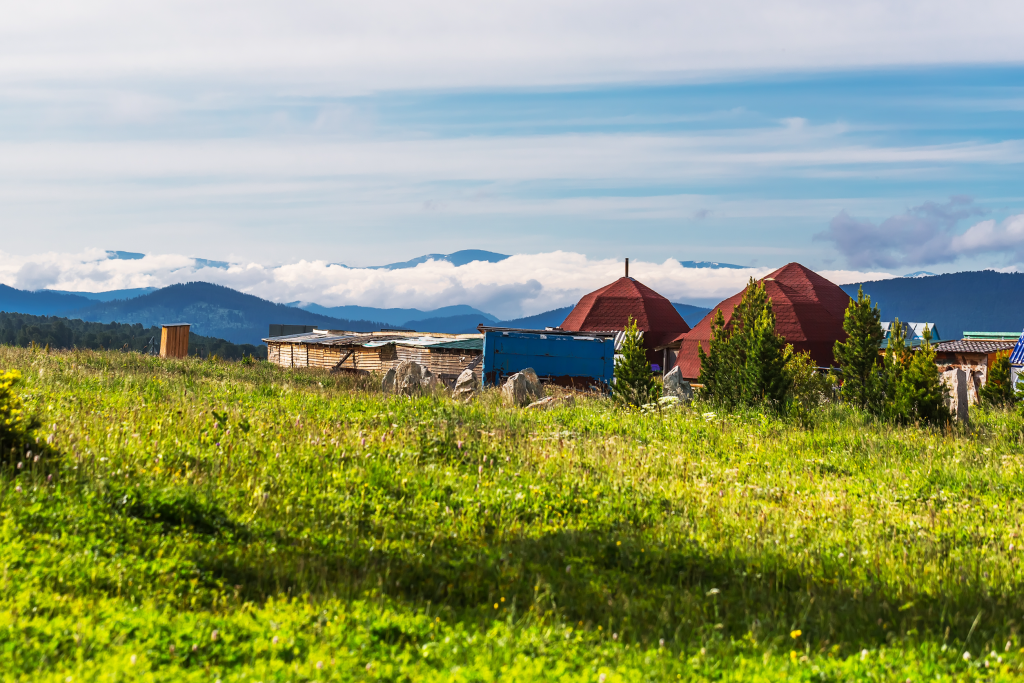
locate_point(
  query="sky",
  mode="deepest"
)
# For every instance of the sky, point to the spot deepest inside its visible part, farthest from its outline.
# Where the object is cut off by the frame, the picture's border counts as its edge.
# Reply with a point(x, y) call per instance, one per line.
point(876, 137)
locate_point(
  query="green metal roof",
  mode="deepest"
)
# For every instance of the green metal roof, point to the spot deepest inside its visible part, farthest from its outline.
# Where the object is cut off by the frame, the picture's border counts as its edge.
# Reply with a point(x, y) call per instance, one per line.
point(994, 336)
point(476, 344)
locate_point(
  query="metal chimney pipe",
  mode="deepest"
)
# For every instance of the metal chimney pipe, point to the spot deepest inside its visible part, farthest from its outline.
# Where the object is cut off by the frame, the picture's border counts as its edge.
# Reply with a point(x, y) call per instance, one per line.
point(627, 267)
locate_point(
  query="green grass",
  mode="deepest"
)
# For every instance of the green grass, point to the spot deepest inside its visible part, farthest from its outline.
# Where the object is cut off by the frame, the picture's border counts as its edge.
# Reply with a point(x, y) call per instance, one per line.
point(195, 520)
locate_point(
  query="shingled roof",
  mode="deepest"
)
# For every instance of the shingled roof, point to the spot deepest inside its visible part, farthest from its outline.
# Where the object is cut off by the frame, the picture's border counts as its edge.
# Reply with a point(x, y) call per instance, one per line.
point(609, 308)
point(808, 314)
point(974, 346)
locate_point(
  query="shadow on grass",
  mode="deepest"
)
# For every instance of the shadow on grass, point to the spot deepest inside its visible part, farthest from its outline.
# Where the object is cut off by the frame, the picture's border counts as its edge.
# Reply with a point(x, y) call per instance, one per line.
point(681, 594)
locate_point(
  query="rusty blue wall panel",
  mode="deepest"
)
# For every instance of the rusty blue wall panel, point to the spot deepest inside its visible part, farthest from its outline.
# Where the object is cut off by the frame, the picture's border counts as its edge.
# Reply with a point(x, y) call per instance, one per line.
point(565, 358)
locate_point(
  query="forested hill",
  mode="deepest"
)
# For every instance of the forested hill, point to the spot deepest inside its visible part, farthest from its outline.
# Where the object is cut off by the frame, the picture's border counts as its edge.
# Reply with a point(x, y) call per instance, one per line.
point(983, 301)
point(20, 329)
point(213, 310)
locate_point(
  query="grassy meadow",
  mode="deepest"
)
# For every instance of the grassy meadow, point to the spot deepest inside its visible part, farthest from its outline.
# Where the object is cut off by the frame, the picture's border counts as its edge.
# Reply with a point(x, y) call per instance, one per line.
point(202, 521)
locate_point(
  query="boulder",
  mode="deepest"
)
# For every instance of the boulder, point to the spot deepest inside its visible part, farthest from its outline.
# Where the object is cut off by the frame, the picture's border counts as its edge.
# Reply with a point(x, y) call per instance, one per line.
point(678, 387)
point(533, 382)
point(465, 385)
point(412, 378)
point(549, 402)
point(522, 388)
point(543, 404)
point(388, 385)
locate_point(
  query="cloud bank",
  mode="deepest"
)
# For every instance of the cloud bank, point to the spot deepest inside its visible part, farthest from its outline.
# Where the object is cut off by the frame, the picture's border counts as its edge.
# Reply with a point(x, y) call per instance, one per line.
point(521, 285)
point(925, 235)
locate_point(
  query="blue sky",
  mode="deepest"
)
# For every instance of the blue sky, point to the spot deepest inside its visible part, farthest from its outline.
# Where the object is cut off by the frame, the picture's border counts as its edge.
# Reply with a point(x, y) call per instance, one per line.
point(871, 137)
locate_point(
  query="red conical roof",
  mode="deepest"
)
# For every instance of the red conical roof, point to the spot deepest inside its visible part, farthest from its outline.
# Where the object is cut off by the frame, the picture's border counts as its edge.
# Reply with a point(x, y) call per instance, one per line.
point(609, 308)
point(808, 314)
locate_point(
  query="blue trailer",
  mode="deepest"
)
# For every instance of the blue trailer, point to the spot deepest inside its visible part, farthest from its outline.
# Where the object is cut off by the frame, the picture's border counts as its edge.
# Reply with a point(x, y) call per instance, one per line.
point(579, 359)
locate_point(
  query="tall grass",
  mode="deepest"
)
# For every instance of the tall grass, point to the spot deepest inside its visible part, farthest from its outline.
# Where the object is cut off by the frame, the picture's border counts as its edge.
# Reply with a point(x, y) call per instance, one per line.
point(187, 513)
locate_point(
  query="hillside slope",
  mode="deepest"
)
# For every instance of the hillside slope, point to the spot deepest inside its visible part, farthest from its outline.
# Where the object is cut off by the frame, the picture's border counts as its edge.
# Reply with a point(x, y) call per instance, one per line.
point(213, 311)
point(39, 303)
point(975, 301)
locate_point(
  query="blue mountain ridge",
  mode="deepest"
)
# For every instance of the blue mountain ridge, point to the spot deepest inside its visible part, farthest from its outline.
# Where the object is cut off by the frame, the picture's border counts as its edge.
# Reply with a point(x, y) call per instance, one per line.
point(458, 258)
point(975, 301)
point(394, 316)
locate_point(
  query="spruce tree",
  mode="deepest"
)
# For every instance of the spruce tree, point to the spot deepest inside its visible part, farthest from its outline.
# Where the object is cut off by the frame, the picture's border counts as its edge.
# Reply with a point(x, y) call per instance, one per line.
point(998, 390)
point(746, 360)
point(765, 378)
point(634, 383)
point(858, 355)
point(894, 364)
point(921, 394)
point(718, 366)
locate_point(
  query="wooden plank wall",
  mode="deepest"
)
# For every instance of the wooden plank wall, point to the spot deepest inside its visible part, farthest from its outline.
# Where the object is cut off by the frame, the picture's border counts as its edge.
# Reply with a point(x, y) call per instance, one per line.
point(174, 341)
point(374, 359)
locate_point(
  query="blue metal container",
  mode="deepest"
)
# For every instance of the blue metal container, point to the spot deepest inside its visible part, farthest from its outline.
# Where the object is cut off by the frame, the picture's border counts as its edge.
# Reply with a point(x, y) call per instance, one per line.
point(579, 359)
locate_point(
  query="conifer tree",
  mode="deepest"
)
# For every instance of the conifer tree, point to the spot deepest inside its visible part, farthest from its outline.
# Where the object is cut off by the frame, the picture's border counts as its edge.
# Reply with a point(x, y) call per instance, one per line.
point(858, 355)
point(718, 367)
point(634, 383)
point(921, 394)
point(998, 390)
point(894, 365)
point(765, 379)
point(746, 360)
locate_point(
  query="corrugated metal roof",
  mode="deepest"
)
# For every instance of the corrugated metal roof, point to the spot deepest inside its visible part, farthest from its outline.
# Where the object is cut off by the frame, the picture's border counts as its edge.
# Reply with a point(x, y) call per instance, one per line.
point(467, 344)
point(999, 336)
point(1017, 357)
point(376, 340)
point(973, 346)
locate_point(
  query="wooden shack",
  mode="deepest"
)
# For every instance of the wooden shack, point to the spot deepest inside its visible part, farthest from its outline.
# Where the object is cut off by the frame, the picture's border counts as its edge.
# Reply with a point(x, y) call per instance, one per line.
point(973, 356)
point(446, 356)
point(174, 340)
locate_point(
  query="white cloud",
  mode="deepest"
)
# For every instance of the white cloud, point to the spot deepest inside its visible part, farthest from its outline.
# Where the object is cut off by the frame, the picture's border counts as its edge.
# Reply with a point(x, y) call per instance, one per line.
point(924, 235)
point(520, 285)
point(640, 157)
point(990, 236)
point(350, 46)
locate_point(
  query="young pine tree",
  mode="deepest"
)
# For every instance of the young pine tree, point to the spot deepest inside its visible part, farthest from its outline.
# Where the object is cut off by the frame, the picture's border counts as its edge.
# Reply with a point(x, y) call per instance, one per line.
point(998, 390)
point(634, 384)
point(921, 394)
point(858, 355)
point(747, 359)
point(894, 364)
point(765, 379)
point(718, 367)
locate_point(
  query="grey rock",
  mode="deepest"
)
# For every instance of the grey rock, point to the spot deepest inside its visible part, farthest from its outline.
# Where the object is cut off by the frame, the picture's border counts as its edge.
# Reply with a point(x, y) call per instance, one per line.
point(412, 378)
point(678, 387)
point(532, 382)
point(522, 388)
point(388, 385)
point(543, 404)
point(465, 385)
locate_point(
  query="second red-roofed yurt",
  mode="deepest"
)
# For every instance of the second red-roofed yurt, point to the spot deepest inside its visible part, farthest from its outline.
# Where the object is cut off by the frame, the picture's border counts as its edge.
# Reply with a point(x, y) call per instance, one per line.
point(808, 314)
point(609, 308)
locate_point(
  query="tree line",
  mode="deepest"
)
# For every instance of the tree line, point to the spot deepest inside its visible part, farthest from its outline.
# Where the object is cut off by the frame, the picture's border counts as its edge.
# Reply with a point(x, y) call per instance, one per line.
point(20, 329)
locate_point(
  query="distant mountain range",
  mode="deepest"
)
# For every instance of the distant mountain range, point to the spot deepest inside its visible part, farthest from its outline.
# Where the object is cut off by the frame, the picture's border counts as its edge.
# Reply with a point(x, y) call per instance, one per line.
point(957, 302)
point(401, 317)
point(708, 264)
point(976, 301)
point(213, 310)
point(458, 258)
